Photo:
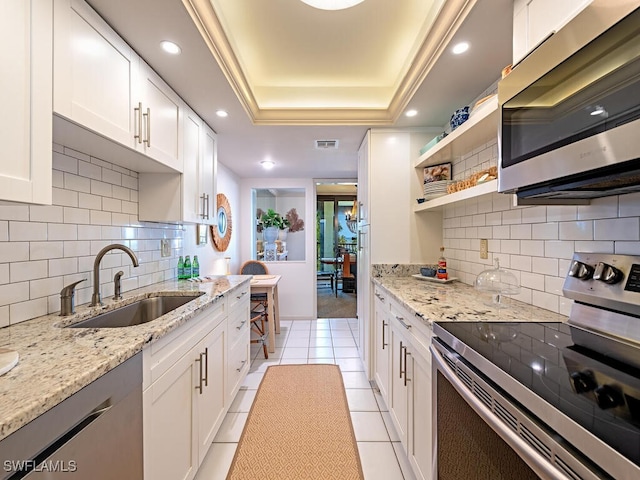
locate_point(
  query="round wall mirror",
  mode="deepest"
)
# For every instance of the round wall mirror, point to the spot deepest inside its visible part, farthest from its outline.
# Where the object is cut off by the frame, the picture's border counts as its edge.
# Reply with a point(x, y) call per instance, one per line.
point(221, 232)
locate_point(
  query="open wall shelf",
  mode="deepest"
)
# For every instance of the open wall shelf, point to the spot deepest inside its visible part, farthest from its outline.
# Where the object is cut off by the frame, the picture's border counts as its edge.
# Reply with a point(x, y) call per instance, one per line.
point(439, 203)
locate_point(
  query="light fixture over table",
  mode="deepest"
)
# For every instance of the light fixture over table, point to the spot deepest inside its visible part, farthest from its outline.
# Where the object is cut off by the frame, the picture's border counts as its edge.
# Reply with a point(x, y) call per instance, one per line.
point(332, 4)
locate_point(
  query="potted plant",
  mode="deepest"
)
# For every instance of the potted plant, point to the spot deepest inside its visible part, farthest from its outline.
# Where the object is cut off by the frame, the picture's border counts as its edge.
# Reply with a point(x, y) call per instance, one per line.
point(271, 222)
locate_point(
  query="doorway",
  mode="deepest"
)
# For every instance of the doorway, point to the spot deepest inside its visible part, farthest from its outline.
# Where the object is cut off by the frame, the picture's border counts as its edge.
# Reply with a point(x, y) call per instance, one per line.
point(336, 253)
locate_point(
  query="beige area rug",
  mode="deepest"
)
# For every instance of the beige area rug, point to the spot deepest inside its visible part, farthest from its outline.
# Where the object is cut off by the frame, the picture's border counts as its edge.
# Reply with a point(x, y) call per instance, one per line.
point(299, 427)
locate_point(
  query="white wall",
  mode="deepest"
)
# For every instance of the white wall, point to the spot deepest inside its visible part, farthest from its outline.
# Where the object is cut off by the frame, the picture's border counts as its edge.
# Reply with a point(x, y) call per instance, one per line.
point(297, 288)
point(212, 262)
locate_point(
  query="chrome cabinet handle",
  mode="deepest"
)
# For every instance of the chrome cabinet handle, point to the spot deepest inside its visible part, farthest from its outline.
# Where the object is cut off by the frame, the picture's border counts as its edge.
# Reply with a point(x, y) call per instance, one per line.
point(241, 324)
point(401, 347)
point(241, 365)
point(199, 386)
point(208, 206)
point(206, 367)
point(203, 197)
point(401, 320)
point(406, 352)
point(383, 342)
point(148, 125)
point(380, 297)
point(241, 295)
point(137, 111)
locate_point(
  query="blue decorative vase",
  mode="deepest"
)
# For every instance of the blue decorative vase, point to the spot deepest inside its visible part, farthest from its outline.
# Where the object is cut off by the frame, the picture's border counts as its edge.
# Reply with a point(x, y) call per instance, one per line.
point(459, 117)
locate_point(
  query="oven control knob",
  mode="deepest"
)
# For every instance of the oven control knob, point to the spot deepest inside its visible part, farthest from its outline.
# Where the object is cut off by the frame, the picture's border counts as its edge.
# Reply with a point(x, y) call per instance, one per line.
point(608, 397)
point(580, 270)
point(607, 273)
point(583, 381)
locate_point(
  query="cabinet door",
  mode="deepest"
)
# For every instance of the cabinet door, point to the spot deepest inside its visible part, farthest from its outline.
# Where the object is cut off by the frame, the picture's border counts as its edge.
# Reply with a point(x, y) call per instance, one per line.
point(169, 417)
point(192, 204)
point(95, 73)
point(208, 172)
point(210, 398)
point(26, 96)
point(397, 403)
point(161, 119)
point(420, 421)
point(382, 346)
point(363, 179)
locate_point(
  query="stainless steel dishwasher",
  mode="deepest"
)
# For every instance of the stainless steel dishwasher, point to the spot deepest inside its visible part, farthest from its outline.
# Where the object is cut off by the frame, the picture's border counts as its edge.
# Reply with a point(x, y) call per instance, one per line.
point(94, 434)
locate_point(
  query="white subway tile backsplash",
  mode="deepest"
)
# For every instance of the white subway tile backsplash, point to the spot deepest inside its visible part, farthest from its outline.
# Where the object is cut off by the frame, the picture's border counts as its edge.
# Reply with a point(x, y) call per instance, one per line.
point(90, 171)
point(63, 231)
point(561, 213)
point(98, 217)
point(535, 248)
point(77, 248)
point(532, 281)
point(111, 176)
point(77, 216)
point(545, 300)
point(101, 188)
point(606, 207)
point(4, 273)
point(76, 154)
point(510, 246)
point(45, 213)
point(559, 249)
point(627, 248)
point(617, 229)
point(89, 201)
point(66, 198)
point(112, 205)
point(534, 214)
point(521, 263)
point(45, 287)
point(89, 232)
point(576, 230)
point(77, 183)
point(629, 205)
point(13, 293)
point(14, 212)
point(57, 179)
point(512, 217)
point(595, 247)
point(544, 231)
point(4, 231)
point(130, 182)
point(501, 232)
point(553, 285)
point(65, 163)
point(121, 193)
point(520, 232)
point(62, 266)
point(19, 312)
point(4, 316)
point(24, 231)
point(14, 252)
point(45, 250)
point(101, 163)
point(111, 233)
point(501, 202)
point(22, 271)
point(545, 266)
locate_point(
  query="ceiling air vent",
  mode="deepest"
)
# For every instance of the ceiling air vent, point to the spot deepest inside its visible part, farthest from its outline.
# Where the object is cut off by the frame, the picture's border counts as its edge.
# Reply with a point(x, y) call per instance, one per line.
point(326, 144)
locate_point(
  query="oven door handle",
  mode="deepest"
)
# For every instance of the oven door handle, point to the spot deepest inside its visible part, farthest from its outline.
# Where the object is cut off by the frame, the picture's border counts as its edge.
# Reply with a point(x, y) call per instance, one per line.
point(536, 462)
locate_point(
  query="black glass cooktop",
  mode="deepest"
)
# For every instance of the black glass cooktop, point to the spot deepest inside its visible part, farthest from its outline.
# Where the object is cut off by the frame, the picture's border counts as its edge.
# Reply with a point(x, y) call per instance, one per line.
point(598, 392)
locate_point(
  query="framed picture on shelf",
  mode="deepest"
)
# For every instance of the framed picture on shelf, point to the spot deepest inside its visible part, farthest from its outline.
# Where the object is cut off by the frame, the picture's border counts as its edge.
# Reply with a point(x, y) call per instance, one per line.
point(436, 173)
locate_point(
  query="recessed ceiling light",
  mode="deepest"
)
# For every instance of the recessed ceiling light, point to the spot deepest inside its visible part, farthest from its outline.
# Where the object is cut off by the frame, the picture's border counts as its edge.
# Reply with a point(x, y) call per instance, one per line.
point(332, 4)
point(459, 48)
point(411, 113)
point(598, 110)
point(222, 113)
point(267, 164)
point(170, 47)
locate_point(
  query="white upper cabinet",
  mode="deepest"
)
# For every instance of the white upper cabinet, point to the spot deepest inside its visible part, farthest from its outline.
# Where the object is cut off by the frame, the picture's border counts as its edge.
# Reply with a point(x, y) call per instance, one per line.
point(26, 98)
point(535, 20)
point(189, 197)
point(102, 85)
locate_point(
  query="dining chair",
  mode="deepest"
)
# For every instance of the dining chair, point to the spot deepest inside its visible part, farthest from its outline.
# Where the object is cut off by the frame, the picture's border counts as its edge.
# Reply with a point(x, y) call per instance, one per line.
point(259, 301)
point(258, 318)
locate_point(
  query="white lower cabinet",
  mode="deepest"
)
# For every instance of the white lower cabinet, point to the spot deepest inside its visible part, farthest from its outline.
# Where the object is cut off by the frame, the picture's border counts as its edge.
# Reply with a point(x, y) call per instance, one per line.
point(186, 389)
point(382, 346)
point(403, 371)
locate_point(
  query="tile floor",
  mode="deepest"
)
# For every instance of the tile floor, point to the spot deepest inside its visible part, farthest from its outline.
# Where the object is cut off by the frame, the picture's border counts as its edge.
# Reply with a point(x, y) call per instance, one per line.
point(318, 341)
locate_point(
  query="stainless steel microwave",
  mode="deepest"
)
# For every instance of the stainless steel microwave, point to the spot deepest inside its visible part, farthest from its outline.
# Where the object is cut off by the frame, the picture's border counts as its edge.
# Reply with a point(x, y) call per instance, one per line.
point(570, 111)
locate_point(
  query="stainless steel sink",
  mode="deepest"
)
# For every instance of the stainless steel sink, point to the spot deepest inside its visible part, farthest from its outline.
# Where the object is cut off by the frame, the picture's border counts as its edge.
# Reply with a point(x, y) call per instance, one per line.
point(137, 313)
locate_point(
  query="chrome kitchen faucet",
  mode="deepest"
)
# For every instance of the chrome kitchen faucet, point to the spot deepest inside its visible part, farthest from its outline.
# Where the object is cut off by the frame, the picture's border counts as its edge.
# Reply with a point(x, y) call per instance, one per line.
point(95, 298)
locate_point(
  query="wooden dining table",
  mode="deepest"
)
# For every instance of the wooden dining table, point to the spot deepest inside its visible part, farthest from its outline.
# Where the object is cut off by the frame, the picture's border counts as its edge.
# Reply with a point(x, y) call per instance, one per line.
point(269, 284)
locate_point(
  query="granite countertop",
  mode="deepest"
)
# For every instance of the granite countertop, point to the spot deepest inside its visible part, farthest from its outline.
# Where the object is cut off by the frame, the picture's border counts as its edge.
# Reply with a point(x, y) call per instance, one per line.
point(456, 301)
point(57, 362)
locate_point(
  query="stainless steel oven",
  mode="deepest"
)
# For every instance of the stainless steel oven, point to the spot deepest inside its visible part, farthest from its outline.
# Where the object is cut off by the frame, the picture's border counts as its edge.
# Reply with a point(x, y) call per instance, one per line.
point(570, 111)
point(523, 400)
